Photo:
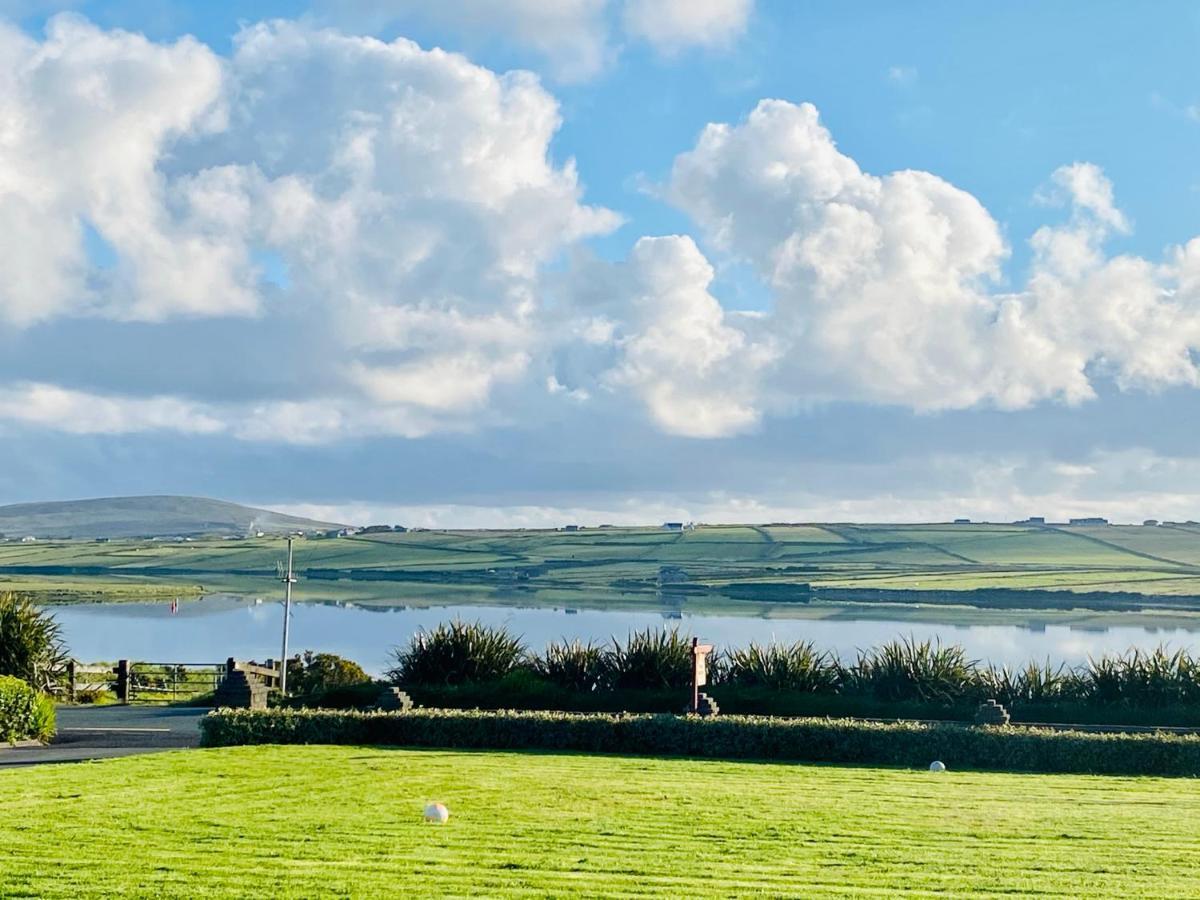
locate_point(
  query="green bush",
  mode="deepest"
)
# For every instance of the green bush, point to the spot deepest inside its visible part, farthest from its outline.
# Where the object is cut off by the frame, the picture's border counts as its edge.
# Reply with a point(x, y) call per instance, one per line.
point(911, 744)
point(795, 667)
point(24, 712)
point(458, 653)
point(650, 659)
point(312, 674)
point(575, 666)
point(31, 646)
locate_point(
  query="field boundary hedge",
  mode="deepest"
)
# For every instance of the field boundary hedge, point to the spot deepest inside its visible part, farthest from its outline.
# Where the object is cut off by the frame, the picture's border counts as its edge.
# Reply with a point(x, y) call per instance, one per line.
point(911, 744)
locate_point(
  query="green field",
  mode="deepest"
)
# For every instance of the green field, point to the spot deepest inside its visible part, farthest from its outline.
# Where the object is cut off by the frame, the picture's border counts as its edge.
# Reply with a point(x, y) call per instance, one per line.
point(709, 567)
point(346, 821)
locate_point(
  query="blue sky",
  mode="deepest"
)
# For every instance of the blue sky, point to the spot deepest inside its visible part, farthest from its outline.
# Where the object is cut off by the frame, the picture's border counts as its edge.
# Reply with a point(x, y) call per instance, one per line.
point(302, 272)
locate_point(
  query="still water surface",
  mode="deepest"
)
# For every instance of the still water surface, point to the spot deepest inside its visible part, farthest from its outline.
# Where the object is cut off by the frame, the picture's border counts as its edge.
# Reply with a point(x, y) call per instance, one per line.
point(215, 628)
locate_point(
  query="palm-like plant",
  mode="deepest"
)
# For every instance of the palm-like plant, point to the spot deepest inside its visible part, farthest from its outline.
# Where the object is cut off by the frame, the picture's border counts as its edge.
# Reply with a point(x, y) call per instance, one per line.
point(909, 669)
point(796, 667)
point(31, 645)
point(573, 665)
point(458, 653)
point(651, 659)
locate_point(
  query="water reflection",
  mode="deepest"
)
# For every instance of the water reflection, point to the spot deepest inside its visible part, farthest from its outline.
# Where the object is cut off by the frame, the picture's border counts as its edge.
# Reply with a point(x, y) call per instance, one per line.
point(218, 627)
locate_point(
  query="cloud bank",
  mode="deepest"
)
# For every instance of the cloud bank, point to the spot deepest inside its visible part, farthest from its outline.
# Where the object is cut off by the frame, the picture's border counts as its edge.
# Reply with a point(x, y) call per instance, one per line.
point(365, 237)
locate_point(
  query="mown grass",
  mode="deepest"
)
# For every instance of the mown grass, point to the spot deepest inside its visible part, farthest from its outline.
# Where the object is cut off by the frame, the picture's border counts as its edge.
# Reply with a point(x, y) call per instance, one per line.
point(328, 821)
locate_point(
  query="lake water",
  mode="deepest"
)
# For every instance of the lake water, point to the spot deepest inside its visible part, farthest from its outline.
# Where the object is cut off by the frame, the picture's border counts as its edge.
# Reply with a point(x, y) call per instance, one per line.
point(212, 629)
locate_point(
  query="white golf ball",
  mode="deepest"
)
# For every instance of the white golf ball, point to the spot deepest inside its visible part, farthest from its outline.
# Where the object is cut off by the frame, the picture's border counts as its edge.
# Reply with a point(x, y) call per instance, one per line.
point(437, 813)
point(937, 766)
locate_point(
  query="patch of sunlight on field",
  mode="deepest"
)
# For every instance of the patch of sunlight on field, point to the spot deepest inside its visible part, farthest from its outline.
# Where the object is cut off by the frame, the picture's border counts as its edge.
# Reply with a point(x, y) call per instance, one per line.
point(346, 821)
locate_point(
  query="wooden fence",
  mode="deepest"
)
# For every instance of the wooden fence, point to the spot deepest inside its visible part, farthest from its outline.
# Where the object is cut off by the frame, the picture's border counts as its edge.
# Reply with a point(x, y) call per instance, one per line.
point(162, 682)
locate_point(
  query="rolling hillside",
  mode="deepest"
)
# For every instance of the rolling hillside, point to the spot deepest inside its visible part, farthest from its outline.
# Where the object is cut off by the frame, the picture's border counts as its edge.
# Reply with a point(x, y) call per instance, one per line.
point(1013, 567)
point(157, 516)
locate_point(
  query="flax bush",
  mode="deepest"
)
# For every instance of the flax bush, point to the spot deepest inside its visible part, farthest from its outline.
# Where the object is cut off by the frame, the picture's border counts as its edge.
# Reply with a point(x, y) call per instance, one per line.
point(458, 653)
point(650, 659)
point(31, 646)
point(794, 667)
point(573, 665)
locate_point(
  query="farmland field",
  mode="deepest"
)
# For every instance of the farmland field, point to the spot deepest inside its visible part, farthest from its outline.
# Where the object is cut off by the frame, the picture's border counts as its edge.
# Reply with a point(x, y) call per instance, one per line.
point(708, 567)
point(346, 821)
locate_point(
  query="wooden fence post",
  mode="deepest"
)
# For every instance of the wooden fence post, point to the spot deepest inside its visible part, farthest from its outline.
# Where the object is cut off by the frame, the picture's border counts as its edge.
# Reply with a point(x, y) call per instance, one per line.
point(124, 681)
point(71, 680)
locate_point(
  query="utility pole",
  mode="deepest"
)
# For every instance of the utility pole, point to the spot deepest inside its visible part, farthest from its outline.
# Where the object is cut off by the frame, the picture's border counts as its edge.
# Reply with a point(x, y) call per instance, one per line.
point(288, 580)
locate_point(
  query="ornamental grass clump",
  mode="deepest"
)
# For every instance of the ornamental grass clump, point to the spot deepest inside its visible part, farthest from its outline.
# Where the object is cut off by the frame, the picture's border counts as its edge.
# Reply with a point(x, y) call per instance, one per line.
point(1034, 683)
point(31, 645)
point(458, 653)
point(794, 667)
point(651, 659)
point(573, 665)
point(1142, 678)
point(909, 669)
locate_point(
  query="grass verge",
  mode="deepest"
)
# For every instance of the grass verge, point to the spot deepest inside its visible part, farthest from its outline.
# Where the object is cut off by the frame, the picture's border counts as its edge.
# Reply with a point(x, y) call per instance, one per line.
point(346, 821)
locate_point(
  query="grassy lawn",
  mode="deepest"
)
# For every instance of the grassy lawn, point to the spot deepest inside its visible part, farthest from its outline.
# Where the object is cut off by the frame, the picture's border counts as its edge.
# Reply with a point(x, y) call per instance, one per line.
point(346, 821)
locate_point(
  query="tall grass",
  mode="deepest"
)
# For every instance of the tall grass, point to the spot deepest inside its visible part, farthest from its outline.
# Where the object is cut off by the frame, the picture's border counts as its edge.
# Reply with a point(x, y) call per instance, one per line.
point(792, 667)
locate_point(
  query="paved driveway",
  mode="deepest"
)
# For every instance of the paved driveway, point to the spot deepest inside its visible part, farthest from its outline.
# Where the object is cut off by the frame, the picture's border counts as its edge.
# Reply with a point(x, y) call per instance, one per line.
point(100, 732)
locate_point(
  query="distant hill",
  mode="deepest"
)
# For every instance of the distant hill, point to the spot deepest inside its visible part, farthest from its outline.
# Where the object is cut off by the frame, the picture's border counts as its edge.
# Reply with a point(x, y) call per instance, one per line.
point(129, 517)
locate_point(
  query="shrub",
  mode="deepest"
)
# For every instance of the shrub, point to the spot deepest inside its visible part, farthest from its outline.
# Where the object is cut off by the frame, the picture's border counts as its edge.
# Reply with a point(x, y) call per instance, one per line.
point(458, 653)
point(31, 646)
point(908, 669)
point(651, 659)
point(795, 667)
point(575, 666)
point(311, 673)
point(723, 737)
point(24, 713)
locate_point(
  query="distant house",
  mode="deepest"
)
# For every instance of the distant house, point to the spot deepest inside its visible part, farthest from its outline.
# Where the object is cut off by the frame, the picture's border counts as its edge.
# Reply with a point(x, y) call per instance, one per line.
point(673, 526)
point(570, 528)
point(962, 521)
point(28, 539)
point(1090, 520)
point(1150, 522)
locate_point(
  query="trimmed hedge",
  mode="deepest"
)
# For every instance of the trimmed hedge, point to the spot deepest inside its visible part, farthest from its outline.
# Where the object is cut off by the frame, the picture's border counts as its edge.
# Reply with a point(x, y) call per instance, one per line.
point(525, 691)
point(910, 744)
point(24, 713)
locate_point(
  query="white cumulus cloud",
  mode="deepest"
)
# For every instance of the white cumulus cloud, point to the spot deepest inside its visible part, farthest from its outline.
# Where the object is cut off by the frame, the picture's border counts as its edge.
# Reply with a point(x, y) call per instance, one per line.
point(671, 25)
point(889, 288)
